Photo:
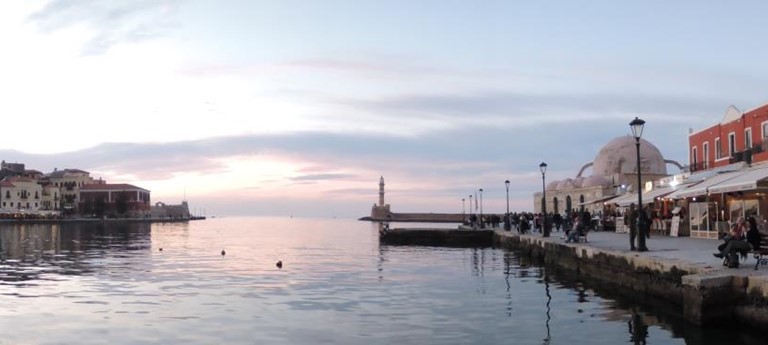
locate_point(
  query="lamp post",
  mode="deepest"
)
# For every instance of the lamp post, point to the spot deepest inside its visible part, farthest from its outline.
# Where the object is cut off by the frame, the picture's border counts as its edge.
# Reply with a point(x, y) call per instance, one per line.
point(543, 168)
point(470, 210)
point(507, 225)
point(637, 132)
point(463, 211)
point(482, 223)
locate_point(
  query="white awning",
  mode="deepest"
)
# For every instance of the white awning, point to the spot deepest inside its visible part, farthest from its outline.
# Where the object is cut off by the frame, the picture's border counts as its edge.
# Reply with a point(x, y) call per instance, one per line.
point(625, 199)
point(748, 180)
point(704, 186)
point(648, 197)
point(659, 192)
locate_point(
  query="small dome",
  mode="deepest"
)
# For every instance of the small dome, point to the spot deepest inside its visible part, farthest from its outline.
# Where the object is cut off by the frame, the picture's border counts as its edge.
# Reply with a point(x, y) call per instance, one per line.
point(577, 182)
point(594, 181)
point(565, 184)
point(618, 156)
point(552, 185)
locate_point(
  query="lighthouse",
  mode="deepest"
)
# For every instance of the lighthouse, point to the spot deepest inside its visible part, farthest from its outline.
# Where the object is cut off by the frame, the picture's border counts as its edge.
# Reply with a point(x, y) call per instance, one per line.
point(380, 211)
point(381, 191)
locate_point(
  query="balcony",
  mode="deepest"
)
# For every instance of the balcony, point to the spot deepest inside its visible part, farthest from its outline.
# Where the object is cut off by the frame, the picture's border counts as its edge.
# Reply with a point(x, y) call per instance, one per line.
point(741, 156)
point(700, 166)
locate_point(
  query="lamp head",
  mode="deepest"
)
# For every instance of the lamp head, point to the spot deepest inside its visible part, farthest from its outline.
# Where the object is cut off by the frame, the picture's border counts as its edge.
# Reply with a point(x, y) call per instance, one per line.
point(506, 183)
point(543, 167)
point(637, 128)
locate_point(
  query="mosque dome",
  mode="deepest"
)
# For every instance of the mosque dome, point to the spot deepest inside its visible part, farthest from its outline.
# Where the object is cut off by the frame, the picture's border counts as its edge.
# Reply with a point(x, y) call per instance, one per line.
point(594, 181)
point(618, 156)
point(552, 185)
point(565, 184)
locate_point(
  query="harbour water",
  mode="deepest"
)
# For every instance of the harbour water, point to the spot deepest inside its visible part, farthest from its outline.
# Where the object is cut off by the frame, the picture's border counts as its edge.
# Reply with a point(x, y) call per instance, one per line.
point(137, 283)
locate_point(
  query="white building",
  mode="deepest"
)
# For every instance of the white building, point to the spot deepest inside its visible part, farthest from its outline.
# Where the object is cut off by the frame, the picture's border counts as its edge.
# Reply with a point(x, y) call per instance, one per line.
point(69, 181)
point(20, 193)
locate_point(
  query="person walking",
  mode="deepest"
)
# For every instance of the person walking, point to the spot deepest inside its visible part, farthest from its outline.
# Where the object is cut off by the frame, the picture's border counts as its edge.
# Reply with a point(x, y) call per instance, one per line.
point(631, 221)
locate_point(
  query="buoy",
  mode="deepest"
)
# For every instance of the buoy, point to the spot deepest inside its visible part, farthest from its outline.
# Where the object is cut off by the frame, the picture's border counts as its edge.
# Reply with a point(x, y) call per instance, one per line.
point(279, 264)
point(223, 252)
point(161, 249)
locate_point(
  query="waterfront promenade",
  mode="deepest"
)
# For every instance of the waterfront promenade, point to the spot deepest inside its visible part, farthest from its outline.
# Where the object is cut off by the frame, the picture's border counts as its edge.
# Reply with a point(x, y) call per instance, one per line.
point(686, 251)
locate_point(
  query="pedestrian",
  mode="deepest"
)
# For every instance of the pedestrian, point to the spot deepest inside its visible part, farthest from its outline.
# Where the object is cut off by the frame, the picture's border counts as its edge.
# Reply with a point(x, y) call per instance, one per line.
point(631, 221)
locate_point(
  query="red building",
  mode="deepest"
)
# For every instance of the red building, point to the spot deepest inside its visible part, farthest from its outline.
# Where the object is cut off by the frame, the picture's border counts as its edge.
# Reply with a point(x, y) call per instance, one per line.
point(109, 198)
point(739, 137)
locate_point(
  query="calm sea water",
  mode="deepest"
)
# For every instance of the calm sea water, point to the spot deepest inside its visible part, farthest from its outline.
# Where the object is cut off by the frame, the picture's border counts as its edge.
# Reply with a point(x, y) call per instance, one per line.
point(97, 284)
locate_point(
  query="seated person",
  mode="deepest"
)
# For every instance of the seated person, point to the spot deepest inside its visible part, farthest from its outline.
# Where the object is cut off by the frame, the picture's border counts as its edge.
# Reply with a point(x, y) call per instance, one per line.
point(576, 230)
point(734, 241)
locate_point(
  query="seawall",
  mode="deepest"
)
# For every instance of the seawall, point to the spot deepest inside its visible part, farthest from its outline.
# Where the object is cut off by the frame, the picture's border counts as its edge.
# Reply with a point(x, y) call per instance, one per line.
point(420, 217)
point(705, 295)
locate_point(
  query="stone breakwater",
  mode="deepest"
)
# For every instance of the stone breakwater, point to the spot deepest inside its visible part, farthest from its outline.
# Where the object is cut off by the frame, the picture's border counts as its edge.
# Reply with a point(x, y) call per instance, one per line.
point(702, 291)
point(706, 295)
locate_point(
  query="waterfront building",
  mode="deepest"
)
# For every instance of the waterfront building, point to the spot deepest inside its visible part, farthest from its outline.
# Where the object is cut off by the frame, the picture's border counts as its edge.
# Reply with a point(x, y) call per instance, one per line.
point(613, 174)
point(50, 199)
point(20, 194)
point(11, 169)
point(162, 210)
point(739, 137)
point(728, 175)
point(119, 199)
point(69, 182)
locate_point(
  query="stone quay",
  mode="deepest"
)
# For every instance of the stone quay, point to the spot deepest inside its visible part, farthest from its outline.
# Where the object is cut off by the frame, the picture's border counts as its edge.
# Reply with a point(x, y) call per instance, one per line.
point(679, 271)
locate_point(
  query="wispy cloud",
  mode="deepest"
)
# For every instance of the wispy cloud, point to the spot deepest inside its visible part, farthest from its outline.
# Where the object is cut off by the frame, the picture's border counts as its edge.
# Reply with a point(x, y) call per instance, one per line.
point(322, 177)
point(112, 22)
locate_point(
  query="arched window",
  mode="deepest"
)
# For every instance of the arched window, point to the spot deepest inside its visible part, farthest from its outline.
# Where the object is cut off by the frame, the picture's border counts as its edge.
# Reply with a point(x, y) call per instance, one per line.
point(568, 204)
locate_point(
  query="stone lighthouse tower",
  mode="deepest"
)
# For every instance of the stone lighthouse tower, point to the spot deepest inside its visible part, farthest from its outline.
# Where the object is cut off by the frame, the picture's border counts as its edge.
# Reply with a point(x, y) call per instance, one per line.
point(380, 211)
point(381, 191)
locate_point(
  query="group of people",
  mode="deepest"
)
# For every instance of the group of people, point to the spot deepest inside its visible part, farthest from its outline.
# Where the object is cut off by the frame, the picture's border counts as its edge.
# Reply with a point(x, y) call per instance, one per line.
point(740, 239)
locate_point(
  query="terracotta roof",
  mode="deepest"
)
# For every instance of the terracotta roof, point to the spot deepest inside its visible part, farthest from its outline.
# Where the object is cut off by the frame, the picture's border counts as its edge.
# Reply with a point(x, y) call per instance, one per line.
point(19, 179)
point(6, 184)
point(110, 187)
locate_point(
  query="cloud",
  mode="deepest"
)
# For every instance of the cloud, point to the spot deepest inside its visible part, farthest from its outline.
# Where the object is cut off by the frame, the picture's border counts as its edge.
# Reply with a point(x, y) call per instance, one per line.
point(321, 177)
point(112, 22)
point(526, 108)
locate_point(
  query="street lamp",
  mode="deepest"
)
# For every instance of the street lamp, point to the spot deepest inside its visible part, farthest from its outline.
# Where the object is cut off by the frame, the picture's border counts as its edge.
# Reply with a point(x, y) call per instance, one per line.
point(507, 225)
point(463, 211)
point(637, 132)
point(482, 223)
point(470, 209)
point(543, 168)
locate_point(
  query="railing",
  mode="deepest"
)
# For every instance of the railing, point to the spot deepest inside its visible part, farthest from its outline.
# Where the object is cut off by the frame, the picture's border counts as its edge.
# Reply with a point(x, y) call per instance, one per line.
point(700, 166)
point(741, 156)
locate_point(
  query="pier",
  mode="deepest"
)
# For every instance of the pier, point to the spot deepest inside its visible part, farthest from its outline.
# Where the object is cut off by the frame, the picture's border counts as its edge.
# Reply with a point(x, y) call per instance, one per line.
point(680, 271)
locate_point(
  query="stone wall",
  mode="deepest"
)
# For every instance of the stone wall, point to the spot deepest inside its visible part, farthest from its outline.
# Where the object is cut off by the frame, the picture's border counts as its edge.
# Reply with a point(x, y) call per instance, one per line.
point(702, 296)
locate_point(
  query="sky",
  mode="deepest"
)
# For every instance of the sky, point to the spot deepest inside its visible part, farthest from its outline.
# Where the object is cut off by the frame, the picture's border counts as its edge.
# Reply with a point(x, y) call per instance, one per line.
point(296, 108)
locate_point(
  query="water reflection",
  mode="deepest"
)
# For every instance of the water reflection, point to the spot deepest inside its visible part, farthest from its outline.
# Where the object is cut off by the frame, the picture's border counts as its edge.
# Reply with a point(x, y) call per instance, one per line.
point(638, 329)
point(31, 252)
point(549, 310)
